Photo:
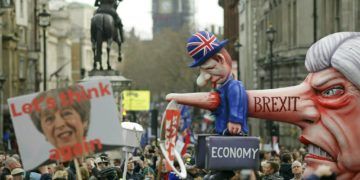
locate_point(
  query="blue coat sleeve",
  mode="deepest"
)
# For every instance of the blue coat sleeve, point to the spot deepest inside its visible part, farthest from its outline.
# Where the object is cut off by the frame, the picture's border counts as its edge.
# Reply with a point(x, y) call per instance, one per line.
point(237, 103)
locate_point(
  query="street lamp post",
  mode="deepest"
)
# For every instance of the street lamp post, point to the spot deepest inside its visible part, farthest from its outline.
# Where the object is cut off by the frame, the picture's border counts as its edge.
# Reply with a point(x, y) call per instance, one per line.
point(2, 81)
point(237, 47)
point(270, 34)
point(44, 22)
point(119, 85)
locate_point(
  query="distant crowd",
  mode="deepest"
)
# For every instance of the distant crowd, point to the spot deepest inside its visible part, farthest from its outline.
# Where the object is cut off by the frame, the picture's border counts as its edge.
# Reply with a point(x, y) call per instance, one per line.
point(148, 164)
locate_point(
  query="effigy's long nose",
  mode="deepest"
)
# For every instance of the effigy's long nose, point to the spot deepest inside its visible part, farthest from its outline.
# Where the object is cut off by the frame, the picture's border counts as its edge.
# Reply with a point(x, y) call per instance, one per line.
point(291, 104)
point(204, 100)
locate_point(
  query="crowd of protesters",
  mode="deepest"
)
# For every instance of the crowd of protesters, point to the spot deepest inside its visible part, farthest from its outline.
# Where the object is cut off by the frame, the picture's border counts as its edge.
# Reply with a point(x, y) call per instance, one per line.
point(142, 164)
point(147, 163)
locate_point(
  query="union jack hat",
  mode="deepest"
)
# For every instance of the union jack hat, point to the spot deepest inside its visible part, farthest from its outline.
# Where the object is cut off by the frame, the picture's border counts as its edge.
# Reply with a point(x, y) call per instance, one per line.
point(203, 45)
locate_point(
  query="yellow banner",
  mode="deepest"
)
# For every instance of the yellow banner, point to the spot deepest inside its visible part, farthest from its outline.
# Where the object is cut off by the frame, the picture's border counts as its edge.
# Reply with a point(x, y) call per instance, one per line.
point(136, 100)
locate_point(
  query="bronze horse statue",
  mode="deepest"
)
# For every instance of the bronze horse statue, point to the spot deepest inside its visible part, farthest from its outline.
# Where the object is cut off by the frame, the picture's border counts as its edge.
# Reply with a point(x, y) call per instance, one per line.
point(103, 29)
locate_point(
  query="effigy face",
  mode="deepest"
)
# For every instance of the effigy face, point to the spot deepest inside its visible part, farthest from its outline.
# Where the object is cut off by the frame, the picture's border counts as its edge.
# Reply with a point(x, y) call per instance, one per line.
point(214, 70)
point(326, 106)
point(332, 137)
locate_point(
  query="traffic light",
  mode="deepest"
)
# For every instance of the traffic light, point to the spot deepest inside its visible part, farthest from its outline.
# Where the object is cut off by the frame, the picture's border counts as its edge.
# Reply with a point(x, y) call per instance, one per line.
point(154, 122)
point(274, 129)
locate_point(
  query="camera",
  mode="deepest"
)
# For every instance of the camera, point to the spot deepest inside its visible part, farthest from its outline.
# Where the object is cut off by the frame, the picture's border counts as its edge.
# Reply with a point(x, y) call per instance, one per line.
point(151, 151)
point(108, 173)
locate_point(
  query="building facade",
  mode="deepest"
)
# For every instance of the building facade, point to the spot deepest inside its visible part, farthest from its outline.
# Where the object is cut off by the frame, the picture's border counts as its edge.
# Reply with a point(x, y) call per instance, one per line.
point(298, 24)
point(231, 25)
point(22, 49)
point(72, 23)
point(19, 57)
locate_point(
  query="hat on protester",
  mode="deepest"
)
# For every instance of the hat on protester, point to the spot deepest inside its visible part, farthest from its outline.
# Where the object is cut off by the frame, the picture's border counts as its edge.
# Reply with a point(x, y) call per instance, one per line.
point(103, 158)
point(296, 163)
point(203, 45)
point(148, 170)
point(17, 157)
point(17, 171)
point(190, 163)
point(60, 175)
point(11, 163)
point(263, 163)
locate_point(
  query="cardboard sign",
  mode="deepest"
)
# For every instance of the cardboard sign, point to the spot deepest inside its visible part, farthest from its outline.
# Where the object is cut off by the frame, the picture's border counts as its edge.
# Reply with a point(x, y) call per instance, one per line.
point(136, 100)
point(227, 152)
point(64, 123)
point(172, 118)
point(168, 136)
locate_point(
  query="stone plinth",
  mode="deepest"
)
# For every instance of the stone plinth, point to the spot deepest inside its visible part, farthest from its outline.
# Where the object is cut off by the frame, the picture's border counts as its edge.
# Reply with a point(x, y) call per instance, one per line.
point(118, 82)
point(104, 73)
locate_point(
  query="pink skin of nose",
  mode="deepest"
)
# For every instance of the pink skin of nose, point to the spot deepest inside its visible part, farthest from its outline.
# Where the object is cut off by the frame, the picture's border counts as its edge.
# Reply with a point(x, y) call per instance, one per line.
point(326, 106)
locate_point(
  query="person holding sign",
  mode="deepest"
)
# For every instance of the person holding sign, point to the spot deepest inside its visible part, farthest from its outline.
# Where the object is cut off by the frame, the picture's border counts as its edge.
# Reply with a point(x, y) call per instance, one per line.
point(64, 115)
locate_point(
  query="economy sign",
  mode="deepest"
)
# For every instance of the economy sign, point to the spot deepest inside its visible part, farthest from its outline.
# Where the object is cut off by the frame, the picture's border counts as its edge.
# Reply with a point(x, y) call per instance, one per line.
point(136, 100)
point(228, 152)
point(64, 123)
point(233, 152)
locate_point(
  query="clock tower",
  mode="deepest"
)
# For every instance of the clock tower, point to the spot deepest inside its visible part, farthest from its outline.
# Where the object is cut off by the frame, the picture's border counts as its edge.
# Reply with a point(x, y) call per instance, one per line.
point(173, 14)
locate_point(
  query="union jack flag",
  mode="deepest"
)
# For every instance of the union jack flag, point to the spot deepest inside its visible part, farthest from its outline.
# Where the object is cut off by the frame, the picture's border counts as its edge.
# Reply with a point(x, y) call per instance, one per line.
point(203, 42)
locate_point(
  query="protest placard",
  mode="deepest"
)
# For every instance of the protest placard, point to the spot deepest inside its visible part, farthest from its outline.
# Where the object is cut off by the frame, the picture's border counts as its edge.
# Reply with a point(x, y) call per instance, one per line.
point(136, 100)
point(64, 123)
point(168, 136)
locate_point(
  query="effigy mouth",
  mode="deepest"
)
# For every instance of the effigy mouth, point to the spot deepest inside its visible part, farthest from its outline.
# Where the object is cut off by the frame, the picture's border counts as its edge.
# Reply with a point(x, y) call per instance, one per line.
point(316, 152)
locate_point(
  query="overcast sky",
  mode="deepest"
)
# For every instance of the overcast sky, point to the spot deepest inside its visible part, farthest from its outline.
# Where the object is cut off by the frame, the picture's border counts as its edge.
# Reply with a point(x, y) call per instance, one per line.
point(137, 14)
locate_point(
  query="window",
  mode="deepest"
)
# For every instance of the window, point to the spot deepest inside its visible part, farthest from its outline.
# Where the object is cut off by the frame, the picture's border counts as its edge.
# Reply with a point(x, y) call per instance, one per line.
point(294, 24)
point(31, 75)
point(21, 69)
point(21, 8)
point(5, 3)
point(337, 9)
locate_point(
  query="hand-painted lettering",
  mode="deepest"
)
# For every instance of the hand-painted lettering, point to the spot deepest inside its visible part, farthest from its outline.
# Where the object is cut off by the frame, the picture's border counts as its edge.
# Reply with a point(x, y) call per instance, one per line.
point(68, 153)
point(275, 103)
point(234, 152)
point(67, 98)
point(257, 104)
point(266, 101)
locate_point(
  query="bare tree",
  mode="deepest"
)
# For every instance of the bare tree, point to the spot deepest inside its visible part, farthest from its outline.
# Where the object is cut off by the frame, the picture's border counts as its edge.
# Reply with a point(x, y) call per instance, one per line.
point(159, 65)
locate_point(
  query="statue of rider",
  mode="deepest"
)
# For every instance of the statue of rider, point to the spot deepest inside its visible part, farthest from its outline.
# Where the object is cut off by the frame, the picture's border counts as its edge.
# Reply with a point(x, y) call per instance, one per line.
point(109, 7)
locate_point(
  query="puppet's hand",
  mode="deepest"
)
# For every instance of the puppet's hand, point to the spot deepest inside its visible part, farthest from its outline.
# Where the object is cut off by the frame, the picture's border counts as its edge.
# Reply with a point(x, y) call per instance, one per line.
point(234, 128)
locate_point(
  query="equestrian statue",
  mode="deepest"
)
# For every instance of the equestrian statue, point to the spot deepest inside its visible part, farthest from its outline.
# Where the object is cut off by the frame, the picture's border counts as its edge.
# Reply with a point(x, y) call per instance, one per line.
point(106, 26)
